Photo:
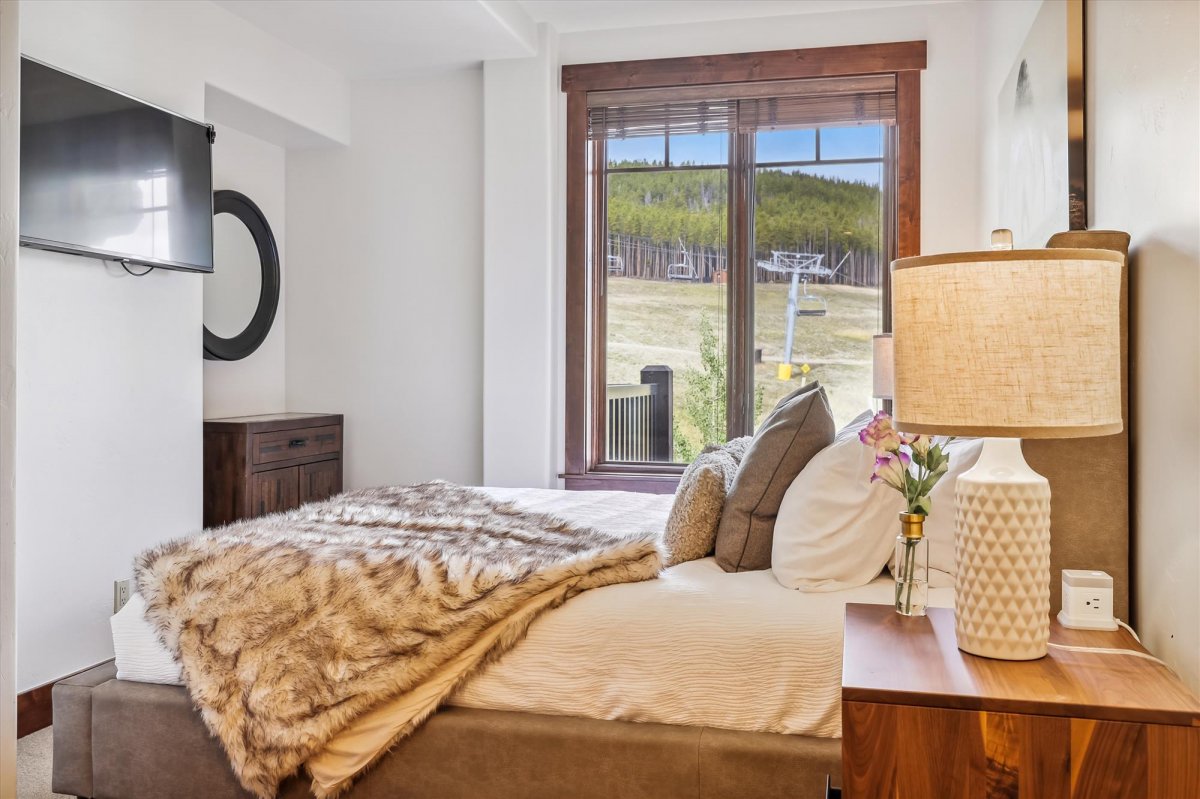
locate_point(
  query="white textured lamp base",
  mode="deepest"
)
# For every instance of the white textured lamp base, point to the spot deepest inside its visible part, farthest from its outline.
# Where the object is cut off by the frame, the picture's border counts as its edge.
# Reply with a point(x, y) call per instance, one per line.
point(1002, 554)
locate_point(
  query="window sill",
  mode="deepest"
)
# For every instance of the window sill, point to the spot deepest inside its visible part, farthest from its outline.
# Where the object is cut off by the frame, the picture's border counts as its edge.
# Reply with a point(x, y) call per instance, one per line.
point(642, 483)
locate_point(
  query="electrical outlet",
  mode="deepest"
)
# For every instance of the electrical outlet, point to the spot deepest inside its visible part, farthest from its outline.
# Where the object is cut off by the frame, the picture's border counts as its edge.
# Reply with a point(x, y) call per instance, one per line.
point(1087, 600)
point(121, 591)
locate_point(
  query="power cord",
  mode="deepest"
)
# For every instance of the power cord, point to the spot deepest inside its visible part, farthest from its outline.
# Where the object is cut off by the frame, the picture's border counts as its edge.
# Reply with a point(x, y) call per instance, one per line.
point(1108, 651)
point(1130, 629)
point(1111, 651)
point(125, 266)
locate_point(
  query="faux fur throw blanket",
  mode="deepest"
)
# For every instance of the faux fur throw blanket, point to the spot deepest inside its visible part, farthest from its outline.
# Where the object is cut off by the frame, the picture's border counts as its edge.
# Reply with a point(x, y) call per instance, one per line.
point(288, 627)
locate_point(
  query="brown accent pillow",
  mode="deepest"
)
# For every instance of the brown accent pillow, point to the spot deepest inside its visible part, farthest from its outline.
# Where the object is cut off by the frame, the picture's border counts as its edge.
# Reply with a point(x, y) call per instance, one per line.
point(692, 525)
point(799, 427)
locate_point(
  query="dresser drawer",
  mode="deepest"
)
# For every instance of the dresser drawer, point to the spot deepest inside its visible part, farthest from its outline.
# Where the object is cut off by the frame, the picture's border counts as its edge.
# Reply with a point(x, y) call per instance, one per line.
point(284, 445)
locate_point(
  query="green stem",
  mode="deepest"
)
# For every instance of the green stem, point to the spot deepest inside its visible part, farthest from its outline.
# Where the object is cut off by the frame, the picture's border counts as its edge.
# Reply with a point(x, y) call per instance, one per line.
point(912, 557)
point(907, 564)
point(900, 581)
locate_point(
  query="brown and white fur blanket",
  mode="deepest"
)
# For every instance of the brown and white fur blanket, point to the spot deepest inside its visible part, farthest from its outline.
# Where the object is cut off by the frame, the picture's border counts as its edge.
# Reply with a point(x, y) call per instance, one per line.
point(291, 626)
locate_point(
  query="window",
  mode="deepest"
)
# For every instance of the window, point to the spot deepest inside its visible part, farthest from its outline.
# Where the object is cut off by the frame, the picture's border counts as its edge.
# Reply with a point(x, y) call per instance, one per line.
point(727, 241)
point(821, 249)
point(665, 300)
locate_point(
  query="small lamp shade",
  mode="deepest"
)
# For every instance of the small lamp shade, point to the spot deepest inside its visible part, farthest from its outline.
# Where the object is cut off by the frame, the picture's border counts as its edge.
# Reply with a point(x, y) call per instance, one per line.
point(1014, 344)
point(881, 366)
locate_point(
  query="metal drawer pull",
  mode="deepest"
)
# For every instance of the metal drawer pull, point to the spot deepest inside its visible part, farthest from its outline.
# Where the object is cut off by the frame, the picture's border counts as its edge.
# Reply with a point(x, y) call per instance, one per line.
point(297, 442)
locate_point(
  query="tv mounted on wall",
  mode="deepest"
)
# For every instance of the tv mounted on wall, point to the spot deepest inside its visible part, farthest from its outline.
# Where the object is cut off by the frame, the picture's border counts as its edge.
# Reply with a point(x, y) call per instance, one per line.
point(108, 176)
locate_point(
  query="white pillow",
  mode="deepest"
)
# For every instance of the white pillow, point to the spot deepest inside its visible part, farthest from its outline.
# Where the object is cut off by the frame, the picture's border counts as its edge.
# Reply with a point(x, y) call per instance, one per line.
point(835, 529)
point(141, 657)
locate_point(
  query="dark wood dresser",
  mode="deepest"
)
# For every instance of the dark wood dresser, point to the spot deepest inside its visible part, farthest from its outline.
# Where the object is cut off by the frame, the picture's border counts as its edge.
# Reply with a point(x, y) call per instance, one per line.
point(255, 465)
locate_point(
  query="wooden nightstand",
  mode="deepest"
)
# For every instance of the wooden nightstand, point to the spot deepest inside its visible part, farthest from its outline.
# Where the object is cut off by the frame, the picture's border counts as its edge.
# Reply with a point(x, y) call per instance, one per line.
point(922, 720)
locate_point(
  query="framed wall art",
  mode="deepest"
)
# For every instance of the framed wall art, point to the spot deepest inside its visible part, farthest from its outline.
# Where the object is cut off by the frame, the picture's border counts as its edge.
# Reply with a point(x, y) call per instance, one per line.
point(1043, 149)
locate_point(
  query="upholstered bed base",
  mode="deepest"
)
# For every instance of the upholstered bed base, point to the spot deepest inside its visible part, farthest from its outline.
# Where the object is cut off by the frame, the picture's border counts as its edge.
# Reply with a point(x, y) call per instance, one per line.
point(125, 740)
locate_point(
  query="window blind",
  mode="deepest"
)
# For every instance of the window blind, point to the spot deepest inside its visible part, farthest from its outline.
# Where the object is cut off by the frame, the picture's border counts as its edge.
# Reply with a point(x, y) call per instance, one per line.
point(812, 112)
point(658, 119)
point(744, 107)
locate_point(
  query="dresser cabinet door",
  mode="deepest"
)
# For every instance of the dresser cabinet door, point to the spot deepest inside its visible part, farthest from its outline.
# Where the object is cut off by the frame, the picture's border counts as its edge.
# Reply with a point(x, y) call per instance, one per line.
point(274, 491)
point(320, 480)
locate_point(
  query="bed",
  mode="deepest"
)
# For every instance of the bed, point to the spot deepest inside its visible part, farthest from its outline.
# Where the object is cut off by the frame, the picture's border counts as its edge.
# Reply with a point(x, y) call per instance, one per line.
point(686, 703)
point(736, 657)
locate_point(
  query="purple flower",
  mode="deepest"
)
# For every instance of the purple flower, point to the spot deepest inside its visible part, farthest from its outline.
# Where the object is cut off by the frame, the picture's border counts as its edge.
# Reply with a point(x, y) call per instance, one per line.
point(891, 468)
point(880, 434)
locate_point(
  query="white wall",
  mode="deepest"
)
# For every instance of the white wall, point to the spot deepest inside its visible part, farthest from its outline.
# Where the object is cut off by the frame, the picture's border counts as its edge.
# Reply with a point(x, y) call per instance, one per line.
point(110, 381)
point(10, 136)
point(254, 384)
point(949, 193)
point(384, 290)
point(1143, 125)
point(520, 421)
point(1143, 90)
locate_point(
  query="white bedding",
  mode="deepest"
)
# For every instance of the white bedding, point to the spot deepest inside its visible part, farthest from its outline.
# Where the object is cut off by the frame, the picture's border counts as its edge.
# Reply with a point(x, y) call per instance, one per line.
point(695, 647)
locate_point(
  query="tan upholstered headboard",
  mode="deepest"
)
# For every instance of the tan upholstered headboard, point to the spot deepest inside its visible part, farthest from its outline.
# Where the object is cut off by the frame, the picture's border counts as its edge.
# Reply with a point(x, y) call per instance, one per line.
point(1089, 477)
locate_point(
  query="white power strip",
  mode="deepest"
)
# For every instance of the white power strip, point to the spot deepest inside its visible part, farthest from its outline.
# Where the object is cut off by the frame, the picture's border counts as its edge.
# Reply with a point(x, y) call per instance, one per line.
point(1087, 600)
point(1087, 604)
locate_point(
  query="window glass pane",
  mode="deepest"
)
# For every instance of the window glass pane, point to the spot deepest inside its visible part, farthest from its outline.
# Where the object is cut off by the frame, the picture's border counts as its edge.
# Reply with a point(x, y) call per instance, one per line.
point(666, 300)
point(819, 262)
point(854, 141)
point(637, 151)
point(785, 145)
point(700, 149)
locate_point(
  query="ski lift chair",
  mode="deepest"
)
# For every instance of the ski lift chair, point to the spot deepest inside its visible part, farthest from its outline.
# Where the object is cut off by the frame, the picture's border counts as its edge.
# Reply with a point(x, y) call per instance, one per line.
point(682, 269)
point(808, 304)
point(802, 267)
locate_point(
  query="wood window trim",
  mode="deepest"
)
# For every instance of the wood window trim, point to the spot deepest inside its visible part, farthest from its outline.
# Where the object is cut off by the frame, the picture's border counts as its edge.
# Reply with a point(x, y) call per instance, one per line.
point(816, 62)
point(905, 60)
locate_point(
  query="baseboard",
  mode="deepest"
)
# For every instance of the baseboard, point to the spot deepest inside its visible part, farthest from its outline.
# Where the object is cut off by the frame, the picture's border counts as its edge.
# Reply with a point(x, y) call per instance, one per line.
point(35, 707)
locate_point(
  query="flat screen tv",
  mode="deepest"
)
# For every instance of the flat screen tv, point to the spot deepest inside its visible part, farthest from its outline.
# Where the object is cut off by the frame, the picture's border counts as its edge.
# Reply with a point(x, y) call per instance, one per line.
point(108, 176)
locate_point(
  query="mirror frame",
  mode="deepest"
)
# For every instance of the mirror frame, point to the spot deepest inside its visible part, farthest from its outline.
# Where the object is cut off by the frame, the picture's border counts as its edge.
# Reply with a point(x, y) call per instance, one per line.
point(216, 348)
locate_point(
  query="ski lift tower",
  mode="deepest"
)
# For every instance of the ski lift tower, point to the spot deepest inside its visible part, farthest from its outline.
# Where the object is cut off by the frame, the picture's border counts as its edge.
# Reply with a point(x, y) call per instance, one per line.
point(802, 267)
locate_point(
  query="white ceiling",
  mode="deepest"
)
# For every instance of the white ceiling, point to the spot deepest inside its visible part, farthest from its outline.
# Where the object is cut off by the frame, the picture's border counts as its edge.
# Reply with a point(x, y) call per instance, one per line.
point(569, 16)
point(381, 38)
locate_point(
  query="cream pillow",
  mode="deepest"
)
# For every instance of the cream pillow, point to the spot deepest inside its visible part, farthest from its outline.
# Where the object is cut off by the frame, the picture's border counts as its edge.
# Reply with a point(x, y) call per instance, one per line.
point(692, 526)
point(835, 529)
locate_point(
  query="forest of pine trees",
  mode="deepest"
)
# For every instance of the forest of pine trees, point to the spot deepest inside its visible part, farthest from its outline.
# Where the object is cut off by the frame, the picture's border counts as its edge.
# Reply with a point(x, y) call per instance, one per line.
point(794, 211)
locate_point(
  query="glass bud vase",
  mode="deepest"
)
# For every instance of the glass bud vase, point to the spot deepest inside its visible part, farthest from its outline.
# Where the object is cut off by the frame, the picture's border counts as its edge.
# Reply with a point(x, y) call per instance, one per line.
point(912, 566)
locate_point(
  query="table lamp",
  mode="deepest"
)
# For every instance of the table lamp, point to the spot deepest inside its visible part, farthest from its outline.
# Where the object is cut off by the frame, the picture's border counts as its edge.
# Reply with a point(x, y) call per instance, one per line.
point(881, 366)
point(1005, 345)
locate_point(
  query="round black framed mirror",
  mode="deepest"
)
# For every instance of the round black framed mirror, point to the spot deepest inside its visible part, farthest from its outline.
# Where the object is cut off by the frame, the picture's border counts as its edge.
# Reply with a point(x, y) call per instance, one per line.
point(223, 344)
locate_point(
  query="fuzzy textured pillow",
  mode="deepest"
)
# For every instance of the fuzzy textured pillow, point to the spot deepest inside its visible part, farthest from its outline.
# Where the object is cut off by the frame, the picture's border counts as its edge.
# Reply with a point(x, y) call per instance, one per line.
point(692, 525)
point(799, 427)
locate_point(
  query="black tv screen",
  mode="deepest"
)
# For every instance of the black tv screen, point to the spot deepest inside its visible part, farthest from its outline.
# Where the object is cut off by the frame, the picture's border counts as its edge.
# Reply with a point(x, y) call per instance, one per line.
point(111, 177)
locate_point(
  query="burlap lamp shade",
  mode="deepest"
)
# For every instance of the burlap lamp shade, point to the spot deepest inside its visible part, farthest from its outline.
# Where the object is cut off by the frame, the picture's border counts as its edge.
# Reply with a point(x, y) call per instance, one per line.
point(882, 362)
